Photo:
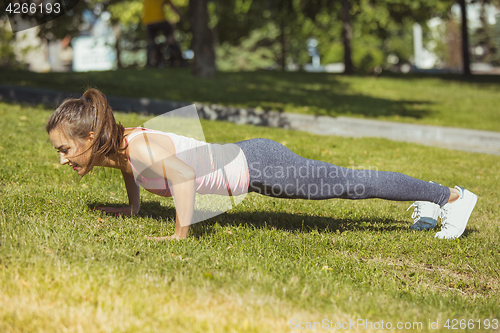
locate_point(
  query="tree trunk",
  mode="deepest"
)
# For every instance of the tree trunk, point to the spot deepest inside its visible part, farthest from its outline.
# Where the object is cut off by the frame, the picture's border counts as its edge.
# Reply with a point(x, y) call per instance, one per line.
point(465, 38)
point(203, 40)
point(346, 37)
point(486, 36)
point(282, 59)
point(454, 44)
point(117, 31)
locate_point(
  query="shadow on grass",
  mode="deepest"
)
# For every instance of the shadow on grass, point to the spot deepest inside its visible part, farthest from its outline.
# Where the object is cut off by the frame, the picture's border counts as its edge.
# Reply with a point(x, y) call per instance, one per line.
point(278, 220)
point(476, 78)
point(312, 93)
point(296, 223)
point(269, 220)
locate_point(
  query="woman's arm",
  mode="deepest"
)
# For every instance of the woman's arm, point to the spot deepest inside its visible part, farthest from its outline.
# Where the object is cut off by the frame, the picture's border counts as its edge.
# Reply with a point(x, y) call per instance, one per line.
point(133, 192)
point(183, 186)
point(134, 198)
point(159, 157)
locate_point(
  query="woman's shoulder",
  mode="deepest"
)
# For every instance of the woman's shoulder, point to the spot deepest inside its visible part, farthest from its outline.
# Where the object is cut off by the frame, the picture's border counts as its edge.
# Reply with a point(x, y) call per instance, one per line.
point(131, 132)
point(156, 141)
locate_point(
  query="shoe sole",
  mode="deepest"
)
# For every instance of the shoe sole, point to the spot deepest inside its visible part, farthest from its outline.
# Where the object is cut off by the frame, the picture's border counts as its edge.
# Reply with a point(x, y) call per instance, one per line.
point(468, 212)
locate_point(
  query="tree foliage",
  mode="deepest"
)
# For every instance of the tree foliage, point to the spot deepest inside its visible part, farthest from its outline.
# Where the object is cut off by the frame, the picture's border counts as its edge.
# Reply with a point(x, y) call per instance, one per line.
point(265, 33)
point(379, 27)
point(7, 40)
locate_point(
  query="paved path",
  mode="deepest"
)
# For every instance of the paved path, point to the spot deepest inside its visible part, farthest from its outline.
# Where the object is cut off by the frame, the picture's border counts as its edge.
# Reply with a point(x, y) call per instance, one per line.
point(447, 137)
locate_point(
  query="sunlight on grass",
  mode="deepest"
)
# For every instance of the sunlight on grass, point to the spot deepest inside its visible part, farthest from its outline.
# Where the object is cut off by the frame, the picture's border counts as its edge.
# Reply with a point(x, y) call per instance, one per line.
point(256, 268)
point(445, 100)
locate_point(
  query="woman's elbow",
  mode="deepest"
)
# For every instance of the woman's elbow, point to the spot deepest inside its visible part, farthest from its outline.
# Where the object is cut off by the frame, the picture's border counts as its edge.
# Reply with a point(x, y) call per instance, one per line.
point(189, 174)
point(184, 175)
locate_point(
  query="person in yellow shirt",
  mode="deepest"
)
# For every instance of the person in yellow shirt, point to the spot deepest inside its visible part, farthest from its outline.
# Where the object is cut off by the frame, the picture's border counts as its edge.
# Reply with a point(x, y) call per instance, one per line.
point(154, 20)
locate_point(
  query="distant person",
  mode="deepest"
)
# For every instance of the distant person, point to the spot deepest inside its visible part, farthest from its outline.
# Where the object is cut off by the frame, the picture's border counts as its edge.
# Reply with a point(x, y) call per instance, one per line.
point(154, 20)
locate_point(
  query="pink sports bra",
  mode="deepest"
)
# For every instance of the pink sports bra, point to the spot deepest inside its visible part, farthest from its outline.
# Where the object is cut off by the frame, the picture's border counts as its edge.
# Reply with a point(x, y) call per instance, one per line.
point(220, 169)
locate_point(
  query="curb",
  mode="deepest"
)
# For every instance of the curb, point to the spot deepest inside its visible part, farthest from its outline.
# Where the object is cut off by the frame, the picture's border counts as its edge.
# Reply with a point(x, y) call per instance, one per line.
point(447, 137)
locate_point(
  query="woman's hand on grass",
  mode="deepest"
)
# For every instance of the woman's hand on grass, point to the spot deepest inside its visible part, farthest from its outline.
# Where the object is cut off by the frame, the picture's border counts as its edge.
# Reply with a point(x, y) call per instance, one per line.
point(127, 210)
point(172, 237)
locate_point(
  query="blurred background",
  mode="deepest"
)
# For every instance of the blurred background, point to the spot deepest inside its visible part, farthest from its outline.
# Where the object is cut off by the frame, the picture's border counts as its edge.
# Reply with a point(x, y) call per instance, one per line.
point(343, 36)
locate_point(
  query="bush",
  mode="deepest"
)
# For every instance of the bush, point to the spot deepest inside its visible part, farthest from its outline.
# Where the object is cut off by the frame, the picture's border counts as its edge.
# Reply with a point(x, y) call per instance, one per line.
point(7, 40)
point(258, 51)
point(367, 53)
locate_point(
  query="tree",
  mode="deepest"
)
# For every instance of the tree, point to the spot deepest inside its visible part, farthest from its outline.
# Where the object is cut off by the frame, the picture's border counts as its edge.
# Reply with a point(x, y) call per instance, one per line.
point(203, 41)
point(285, 14)
point(7, 41)
point(465, 39)
point(237, 18)
point(329, 21)
point(125, 19)
point(484, 36)
point(380, 18)
point(346, 37)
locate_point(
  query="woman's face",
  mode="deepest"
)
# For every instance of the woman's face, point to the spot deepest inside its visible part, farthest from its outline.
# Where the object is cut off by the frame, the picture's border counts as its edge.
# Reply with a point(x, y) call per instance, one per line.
point(70, 151)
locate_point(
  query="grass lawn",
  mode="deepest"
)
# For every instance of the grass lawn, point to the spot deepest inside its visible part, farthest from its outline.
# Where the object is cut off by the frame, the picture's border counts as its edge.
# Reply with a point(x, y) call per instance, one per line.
point(446, 100)
point(265, 266)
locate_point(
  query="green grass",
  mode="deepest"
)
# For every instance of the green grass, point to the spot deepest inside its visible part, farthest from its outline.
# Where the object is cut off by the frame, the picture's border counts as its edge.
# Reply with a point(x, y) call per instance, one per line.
point(64, 267)
point(446, 100)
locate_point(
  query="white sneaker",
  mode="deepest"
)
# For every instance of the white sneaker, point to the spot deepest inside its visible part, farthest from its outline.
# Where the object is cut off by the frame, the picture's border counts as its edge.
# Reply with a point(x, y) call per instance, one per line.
point(425, 215)
point(455, 215)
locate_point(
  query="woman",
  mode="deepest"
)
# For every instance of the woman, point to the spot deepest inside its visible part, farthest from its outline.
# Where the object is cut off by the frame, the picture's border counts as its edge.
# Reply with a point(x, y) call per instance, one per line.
point(85, 133)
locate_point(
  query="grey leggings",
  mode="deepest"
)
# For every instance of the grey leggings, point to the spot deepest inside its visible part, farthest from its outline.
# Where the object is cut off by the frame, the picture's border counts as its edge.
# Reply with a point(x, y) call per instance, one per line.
point(278, 172)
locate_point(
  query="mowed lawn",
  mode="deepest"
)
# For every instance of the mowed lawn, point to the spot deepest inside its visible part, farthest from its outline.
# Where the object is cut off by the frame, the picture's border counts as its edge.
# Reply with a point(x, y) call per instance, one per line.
point(445, 100)
point(268, 265)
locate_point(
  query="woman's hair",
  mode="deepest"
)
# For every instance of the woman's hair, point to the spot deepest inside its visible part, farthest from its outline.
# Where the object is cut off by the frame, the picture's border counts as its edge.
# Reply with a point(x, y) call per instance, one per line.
point(90, 113)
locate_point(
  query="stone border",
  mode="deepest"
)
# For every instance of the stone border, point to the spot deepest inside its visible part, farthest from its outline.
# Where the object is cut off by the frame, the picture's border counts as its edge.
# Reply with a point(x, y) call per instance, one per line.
point(52, 99)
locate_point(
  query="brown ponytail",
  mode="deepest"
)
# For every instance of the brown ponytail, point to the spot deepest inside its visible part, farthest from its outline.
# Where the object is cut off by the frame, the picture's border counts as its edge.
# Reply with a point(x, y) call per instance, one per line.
point(90, 113)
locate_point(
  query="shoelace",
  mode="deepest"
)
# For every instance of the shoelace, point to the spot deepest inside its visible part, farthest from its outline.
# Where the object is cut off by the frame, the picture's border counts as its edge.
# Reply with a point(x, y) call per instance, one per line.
point(416, 212)
point(443, 215)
